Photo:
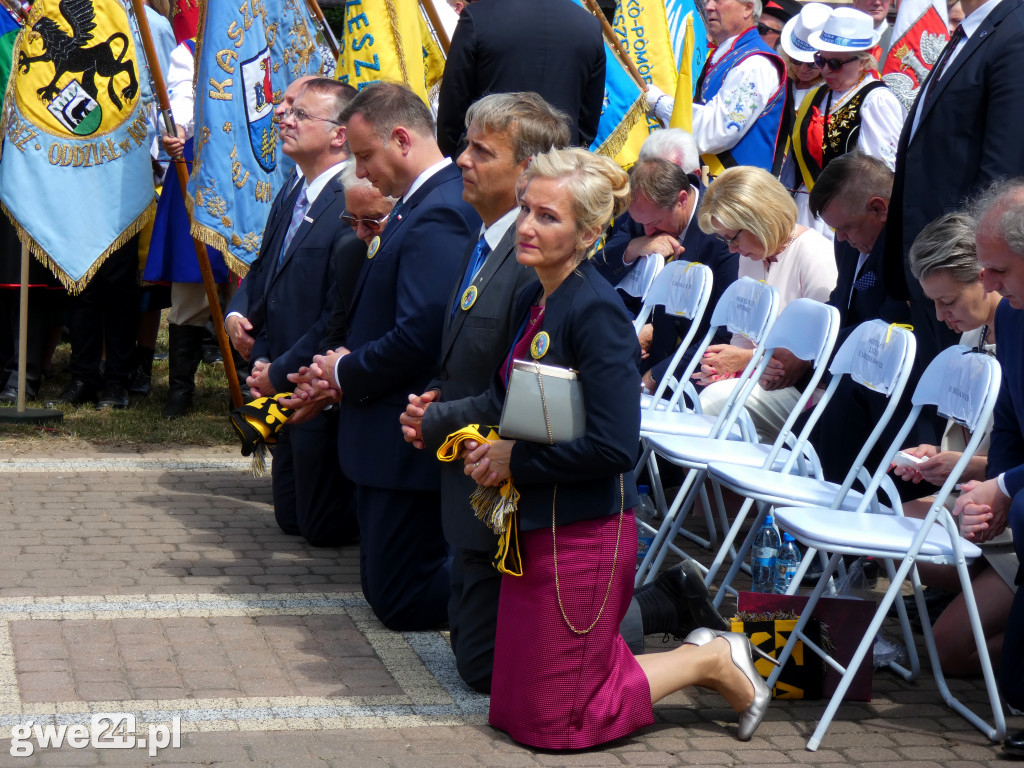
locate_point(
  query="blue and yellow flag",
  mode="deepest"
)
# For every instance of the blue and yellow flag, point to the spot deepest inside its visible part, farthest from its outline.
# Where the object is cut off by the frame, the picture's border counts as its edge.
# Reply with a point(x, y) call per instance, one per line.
point(75, 175)
point(682, 13)
point(246, 55)
point(682, 109)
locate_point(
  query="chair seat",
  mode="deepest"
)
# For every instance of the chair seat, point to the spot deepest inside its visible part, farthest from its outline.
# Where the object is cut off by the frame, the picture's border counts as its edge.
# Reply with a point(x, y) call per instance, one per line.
point(823, 528)
point(777, 488)
point(682, 423)
point(698, 452)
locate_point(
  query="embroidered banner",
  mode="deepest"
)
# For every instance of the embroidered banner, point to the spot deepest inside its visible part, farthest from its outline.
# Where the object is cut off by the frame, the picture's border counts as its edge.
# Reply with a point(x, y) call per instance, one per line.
point(246, 56)
point(75, 175)
point(185, 19)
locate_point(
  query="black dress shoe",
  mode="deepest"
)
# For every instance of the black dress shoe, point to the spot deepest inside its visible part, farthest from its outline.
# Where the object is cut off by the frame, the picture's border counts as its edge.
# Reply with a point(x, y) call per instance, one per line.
point(1014, 745)
point(677, 602)
point(76, 393)
point(113, 396)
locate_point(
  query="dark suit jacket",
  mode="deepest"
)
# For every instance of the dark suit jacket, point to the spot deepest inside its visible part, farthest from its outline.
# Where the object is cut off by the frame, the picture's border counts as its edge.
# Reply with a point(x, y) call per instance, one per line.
point(475, 343)
point(394, 333)
point(969, 135)
point(590, 332)
point(291, 304)
point(868, 300)
point(553, 47)
point(1006, 450)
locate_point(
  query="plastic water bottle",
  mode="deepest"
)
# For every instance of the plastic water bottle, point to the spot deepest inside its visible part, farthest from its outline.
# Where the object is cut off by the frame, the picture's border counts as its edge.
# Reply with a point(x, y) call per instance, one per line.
point(762, 557)
point(645, 512)
point(786, 563)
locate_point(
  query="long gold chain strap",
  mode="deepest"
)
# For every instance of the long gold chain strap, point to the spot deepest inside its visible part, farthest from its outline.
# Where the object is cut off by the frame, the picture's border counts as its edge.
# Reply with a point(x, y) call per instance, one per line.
point(544, 405)
point(615, 557)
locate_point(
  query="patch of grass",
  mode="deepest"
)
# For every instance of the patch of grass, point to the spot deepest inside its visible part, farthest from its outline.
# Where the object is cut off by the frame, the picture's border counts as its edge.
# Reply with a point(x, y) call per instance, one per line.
point(141, 423)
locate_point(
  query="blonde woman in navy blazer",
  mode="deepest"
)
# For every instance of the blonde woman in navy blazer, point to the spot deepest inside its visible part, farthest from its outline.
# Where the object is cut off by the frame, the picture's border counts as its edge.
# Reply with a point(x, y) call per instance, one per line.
point(563, 676)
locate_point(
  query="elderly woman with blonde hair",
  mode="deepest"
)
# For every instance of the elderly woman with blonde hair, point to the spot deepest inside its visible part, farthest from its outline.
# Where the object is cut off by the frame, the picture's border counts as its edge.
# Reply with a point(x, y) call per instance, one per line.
point(563, 676)
point(754, 214)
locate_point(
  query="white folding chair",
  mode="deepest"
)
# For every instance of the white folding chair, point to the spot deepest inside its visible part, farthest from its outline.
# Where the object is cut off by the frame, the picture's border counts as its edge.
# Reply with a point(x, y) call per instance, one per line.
point(963, 385)
point(639, 280)
point(747, 307)
point(683, 289)
point(806, 328)
point(875, 355)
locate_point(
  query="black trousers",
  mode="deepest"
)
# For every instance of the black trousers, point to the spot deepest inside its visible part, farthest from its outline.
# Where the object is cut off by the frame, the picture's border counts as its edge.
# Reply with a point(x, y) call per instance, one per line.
point(312, 497)
point(1011, 665)
point(473, 615)
point(404, 564)
point(105, 316)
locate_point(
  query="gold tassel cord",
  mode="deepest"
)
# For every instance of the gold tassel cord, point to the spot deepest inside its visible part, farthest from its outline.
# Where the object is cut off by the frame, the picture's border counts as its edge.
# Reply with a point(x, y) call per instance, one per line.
point(257, 424)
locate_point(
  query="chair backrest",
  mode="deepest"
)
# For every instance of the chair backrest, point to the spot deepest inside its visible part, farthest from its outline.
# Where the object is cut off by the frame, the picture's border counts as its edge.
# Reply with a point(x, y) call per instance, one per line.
point(639, 281)
point(809, 330)
point(748, 307)
point(877, 356)
point(963, 384)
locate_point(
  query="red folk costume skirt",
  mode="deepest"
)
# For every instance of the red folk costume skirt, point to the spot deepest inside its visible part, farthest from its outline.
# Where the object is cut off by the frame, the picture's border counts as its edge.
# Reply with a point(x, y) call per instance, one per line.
point(552, 688)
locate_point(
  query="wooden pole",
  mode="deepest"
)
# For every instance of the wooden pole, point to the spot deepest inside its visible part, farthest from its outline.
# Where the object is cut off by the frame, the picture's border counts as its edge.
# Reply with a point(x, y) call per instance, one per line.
point(609, 35)
point(160, 87)
point(318, 14)
point(435, 22)
point(23, 325)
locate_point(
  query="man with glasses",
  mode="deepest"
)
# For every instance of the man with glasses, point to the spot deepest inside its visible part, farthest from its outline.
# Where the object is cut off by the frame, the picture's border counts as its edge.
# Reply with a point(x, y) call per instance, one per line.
point(773, 18)
point(308, 258)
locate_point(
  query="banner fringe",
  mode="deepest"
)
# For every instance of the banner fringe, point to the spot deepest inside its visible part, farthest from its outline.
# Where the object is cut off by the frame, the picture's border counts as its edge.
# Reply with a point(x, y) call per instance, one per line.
point(75, 287)
point(616, 140)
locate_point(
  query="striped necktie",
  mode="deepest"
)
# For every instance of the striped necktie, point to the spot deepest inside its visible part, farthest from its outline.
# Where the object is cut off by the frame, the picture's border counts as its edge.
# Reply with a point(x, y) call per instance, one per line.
point(298, 212)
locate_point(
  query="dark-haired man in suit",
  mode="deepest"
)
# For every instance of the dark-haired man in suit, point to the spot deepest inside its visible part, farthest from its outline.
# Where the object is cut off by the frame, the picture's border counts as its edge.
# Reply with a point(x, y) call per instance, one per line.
point(308, 257)
point(391, 344)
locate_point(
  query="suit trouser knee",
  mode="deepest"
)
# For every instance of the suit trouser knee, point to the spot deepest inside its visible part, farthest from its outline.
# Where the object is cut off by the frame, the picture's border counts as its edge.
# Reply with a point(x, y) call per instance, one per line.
point(312, 497)
point(404, 563)
point(473, 616)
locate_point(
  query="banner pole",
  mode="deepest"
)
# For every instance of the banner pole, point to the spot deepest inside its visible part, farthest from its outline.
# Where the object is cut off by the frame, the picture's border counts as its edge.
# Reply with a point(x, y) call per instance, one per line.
point(435, 22)
point(609, 35)
point(318, 14)
point(179, 164)
point(23, 326)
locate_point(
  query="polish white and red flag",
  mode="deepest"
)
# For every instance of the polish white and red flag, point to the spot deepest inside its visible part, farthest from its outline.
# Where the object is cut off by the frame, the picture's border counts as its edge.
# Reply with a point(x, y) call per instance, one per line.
point(919, 34)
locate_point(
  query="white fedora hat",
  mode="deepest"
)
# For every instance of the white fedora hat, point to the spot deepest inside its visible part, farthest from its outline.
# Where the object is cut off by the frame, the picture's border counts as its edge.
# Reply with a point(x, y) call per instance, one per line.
point(811, 18)
point(847, 29)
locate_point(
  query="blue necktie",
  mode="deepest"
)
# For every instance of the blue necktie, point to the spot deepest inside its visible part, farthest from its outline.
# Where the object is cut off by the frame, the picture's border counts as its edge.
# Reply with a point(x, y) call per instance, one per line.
point(475, 262)
point(298, 212)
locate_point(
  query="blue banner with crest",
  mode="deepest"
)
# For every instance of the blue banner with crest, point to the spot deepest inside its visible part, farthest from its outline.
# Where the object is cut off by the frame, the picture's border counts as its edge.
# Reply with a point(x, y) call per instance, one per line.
point(75, 173)
point(246, 55)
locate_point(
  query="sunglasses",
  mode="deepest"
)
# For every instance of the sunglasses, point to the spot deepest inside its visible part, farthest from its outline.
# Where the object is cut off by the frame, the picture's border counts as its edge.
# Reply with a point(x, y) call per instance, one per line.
point(374, 225)
point(834, 64)
point(764, 29)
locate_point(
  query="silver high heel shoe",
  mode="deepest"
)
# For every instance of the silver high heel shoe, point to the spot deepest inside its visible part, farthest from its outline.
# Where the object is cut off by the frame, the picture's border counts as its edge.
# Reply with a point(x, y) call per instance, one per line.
point(742, 653)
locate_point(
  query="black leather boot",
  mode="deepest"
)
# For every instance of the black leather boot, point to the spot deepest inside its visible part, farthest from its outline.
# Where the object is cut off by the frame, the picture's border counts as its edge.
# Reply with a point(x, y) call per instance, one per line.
point(185, 350)
point(142, 373)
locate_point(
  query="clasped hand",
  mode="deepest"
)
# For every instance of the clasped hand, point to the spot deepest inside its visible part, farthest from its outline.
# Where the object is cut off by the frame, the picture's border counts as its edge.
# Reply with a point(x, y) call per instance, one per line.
point(488, 463)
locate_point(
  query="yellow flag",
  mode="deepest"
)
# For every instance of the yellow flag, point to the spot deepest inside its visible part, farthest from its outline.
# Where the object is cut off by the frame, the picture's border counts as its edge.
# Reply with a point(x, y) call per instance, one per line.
point(682, 110)
point(433, 58)
point(382, 41)
point(643, 32)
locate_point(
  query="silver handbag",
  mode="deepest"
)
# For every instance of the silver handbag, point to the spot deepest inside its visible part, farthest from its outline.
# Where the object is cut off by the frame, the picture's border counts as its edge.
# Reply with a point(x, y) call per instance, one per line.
point(544, 404)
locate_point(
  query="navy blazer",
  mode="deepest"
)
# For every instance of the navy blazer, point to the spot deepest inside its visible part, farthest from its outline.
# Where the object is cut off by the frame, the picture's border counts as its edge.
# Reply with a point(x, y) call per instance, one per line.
point(552, 47)
point(590, 332)
point(860, 296)
point(1006, 448)
point(290, 303)
point(394, 333)
point(475, 343)
point(968, 136)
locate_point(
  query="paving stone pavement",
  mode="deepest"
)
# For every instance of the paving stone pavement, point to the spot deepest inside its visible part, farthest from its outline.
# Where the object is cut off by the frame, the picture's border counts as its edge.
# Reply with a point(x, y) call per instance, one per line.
point(137, 592)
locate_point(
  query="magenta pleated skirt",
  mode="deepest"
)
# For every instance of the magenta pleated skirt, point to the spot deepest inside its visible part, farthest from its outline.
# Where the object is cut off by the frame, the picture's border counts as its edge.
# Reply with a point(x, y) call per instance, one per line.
point(551, 688)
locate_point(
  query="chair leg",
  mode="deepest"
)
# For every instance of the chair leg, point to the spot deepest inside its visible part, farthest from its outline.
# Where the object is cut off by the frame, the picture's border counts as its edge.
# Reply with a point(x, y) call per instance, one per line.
point(905, 628)
point(727, 545)
point(647, 569)
point(670, 526)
